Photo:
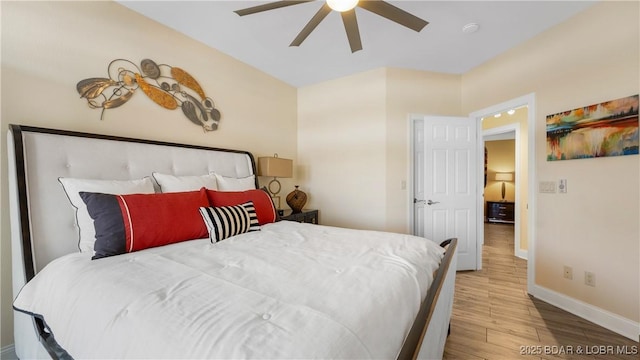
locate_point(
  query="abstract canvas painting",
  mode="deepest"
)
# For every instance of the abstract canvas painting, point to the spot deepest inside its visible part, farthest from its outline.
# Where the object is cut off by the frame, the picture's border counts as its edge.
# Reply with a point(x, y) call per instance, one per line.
point(606, 129)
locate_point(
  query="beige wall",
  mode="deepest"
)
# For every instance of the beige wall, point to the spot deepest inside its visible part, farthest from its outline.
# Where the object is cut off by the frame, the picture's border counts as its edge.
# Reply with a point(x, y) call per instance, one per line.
point(341, 149)
point(594, 227)
point(502, 158)
point(48, 47)
point(353, 137)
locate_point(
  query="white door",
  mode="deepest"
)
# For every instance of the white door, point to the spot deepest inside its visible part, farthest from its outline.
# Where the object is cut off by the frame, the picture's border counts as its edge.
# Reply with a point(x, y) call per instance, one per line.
point(444, 183)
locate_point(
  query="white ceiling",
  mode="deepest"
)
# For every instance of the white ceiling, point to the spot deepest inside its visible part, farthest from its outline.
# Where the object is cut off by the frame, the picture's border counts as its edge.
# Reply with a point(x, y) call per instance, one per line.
point(262, 40)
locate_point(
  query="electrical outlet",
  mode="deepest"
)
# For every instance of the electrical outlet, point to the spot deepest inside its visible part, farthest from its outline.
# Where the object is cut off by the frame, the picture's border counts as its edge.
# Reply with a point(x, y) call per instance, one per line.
point(562, 186)
point(589, 278)
point(568, 272)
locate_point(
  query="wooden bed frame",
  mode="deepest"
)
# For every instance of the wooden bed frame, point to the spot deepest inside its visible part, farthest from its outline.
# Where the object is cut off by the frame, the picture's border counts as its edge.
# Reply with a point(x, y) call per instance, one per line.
point(38, 156)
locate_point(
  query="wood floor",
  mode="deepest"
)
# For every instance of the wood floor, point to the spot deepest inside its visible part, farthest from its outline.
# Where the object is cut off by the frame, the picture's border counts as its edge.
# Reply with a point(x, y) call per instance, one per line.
point(494, 318)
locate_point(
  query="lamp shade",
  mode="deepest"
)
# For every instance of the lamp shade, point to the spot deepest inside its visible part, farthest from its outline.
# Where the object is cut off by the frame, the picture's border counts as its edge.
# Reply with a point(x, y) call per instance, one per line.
point(504, 177)
point(275, 167)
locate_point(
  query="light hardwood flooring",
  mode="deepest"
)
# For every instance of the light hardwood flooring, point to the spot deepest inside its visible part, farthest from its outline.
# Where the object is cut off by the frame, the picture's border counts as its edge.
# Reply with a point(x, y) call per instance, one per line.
point(494, 317)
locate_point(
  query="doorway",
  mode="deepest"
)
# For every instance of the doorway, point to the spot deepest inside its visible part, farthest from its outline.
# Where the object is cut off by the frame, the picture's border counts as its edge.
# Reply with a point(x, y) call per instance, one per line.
point(527, 208)
point(510, 132)
point(529, 203)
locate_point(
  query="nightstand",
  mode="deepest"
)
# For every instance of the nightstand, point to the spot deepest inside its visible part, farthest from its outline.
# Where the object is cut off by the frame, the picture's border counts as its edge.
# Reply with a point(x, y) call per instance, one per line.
point(500, 212)
point(305, 216)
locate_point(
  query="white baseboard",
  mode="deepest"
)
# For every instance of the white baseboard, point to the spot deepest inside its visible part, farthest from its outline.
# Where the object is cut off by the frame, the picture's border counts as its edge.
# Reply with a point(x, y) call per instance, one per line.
point(8, 353)
point(604, 318)
point(522, 254)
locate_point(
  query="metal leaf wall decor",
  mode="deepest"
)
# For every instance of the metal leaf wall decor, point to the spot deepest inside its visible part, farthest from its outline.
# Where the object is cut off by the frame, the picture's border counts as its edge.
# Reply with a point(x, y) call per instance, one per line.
point(168, 86)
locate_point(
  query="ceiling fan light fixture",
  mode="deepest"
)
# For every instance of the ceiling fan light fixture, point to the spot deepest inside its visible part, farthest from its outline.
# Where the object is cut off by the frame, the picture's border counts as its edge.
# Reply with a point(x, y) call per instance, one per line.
point(342, 5)
point(346, 8)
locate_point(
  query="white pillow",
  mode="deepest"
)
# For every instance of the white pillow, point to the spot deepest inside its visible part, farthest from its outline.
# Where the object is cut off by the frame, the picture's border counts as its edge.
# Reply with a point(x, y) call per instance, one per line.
point(172, 183)
point(235, 184)
point(73, 187)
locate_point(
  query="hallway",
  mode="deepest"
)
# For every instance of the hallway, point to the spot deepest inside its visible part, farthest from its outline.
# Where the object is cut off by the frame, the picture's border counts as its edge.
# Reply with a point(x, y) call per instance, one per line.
point(494, 317)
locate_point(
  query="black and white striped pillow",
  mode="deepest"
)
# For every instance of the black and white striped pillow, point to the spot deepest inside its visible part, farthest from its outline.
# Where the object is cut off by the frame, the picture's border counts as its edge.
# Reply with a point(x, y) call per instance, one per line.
point(227, 221)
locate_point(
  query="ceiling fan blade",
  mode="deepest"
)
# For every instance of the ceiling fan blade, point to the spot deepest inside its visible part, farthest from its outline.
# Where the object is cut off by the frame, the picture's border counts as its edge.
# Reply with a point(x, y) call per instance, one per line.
point(393, 13)
point(268, 6)
point(351, 26)
point(311, 25)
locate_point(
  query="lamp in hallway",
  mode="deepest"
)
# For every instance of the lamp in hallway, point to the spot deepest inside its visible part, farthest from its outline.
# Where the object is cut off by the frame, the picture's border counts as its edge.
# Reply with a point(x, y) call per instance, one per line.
point(277, 168)
point(504, 177)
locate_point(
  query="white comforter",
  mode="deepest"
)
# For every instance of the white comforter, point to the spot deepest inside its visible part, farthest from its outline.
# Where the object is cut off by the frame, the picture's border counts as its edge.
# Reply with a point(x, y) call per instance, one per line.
point(289, 291)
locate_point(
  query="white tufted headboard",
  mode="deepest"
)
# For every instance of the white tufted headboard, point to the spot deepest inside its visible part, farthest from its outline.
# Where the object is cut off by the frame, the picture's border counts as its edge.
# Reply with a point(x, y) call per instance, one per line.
point(42, 220)
point(49, 154)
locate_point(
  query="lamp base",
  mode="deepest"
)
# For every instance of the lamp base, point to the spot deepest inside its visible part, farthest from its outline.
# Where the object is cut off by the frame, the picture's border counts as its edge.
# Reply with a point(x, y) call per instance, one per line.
point(296, 200)
point(272, 183)
point(276, 202)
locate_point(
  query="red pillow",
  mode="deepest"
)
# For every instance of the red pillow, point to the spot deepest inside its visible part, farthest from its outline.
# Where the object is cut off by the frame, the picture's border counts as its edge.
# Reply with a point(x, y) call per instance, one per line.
point(127, 223)
point(261, 200)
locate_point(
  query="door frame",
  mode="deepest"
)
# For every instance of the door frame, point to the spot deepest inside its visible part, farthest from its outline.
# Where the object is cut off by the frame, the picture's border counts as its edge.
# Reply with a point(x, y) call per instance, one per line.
point(528, 100)
point(518, 185)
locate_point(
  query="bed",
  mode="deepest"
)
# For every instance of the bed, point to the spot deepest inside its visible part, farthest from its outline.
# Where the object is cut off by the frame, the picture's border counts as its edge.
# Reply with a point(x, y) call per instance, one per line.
point(285, 290)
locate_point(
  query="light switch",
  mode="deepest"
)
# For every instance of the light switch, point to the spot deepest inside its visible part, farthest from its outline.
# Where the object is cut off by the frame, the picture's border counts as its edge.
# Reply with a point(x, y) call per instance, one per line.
point(548, 187)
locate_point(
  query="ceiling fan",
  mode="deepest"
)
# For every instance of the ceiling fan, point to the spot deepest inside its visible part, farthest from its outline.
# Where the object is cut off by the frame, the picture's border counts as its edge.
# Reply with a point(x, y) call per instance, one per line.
point(348, 14)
